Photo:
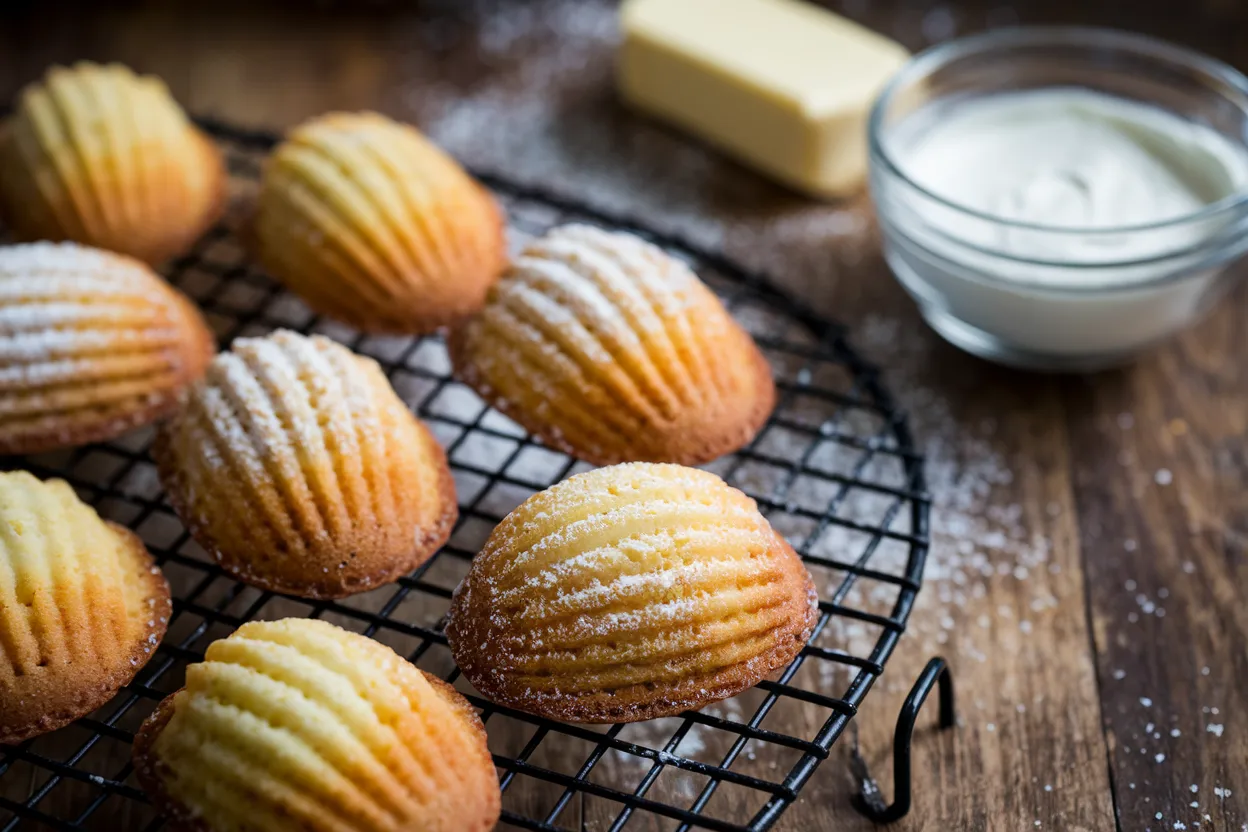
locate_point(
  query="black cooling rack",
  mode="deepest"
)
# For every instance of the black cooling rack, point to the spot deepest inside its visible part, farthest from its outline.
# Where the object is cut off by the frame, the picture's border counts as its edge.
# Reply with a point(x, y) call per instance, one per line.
point(835, 470)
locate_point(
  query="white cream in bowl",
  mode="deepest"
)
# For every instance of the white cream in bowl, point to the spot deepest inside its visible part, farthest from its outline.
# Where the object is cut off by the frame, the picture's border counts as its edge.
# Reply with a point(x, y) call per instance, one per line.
point(1057, 226)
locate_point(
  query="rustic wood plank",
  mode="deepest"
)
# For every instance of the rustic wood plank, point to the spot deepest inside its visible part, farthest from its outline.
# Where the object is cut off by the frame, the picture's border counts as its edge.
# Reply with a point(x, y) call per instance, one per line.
point(1160, 478)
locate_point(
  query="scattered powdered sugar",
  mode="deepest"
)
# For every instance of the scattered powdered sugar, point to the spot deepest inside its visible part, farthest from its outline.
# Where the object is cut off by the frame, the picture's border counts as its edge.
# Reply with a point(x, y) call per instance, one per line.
point(977, 538)
point(555, 120)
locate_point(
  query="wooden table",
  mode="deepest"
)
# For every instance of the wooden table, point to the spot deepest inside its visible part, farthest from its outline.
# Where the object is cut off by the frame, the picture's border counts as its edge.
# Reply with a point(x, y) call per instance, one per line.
point(1091, 534)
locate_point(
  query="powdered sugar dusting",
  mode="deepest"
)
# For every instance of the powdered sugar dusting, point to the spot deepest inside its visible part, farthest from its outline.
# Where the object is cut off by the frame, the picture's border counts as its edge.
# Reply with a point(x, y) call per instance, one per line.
point(91, 344)
point(601, 290)
point(260, 429)
point(51, 292)
point(53, 259)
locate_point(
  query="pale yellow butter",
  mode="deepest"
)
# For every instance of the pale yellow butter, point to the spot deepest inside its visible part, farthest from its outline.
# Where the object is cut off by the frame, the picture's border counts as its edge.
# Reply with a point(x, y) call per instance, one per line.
point(782, 85)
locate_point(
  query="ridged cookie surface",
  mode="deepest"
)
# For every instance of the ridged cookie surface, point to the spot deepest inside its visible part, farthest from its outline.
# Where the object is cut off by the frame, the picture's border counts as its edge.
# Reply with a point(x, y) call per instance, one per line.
point(629, 593)
point(613, 351)
point(82, 607)
point(91, 345)
point(298, 467)
point(300, 725)
point(372, 224)
point(99, 155)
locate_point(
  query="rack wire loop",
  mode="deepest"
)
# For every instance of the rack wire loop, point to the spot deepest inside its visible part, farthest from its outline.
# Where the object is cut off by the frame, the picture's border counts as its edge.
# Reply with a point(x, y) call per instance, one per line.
point(869, 801)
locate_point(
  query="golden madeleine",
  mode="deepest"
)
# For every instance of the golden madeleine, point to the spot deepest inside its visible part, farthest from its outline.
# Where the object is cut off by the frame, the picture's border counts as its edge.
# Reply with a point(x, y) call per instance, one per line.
point(372, 224)
point(82, 607)
point(101, 156)
point(92, 344)
point(627, 593)
point(300, 725)
point(611, 350)
point(296, 465)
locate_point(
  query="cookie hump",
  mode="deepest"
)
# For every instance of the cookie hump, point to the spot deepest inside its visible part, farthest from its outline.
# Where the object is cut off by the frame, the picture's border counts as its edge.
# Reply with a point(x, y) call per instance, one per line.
point(92, 344)
point(630, 593)
point(297, 466)
point(613, 351)
point(298, 724)
point(101, 156)
point(82, 607)
point(372, 224)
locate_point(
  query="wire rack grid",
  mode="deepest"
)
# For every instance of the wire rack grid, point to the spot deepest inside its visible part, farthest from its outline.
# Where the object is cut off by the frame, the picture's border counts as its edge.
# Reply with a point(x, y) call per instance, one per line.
point(834, 469)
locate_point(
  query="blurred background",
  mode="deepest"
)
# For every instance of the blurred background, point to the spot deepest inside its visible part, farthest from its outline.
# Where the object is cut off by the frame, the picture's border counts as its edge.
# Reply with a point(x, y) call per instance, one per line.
point(267, 63)
point(524, 87)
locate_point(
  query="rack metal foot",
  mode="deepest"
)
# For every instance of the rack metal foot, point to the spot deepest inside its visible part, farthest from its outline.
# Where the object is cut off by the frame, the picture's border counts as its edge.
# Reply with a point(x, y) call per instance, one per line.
point(869, 801)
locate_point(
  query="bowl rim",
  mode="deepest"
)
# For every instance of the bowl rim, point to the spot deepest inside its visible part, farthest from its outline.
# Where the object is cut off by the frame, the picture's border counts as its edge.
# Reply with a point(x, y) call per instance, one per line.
point(929, 60)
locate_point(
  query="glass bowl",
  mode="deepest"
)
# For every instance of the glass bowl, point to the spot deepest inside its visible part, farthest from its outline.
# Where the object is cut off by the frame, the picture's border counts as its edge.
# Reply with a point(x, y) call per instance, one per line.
point(1129, 287)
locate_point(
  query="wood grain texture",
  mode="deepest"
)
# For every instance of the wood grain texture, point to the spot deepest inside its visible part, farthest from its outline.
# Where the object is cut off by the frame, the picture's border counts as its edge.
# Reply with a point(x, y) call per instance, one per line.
point(1058, 541)
point(1160, 477)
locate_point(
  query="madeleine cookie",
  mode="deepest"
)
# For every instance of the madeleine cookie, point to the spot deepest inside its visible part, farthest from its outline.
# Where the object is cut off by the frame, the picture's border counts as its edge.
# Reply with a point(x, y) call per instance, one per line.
point(629, 593)
point(99, 155)
point(82, 607)
point(370, 223)
point(296, 465)
point(300, 725)
point(92, 344)
point(611, 350)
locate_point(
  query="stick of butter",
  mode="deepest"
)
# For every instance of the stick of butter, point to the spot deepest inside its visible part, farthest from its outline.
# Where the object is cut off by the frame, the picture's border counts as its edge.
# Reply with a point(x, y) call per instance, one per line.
point(782, 85)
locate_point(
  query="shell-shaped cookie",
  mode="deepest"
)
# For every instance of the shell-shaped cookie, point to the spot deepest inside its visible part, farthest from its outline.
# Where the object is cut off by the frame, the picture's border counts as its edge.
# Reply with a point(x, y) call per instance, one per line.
point(99, 155)
point(297, 466)
point(627, 593)
point(298, 724)
point(613, 351)
point(372, 224)
point(82, 607)
point(91, 345)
